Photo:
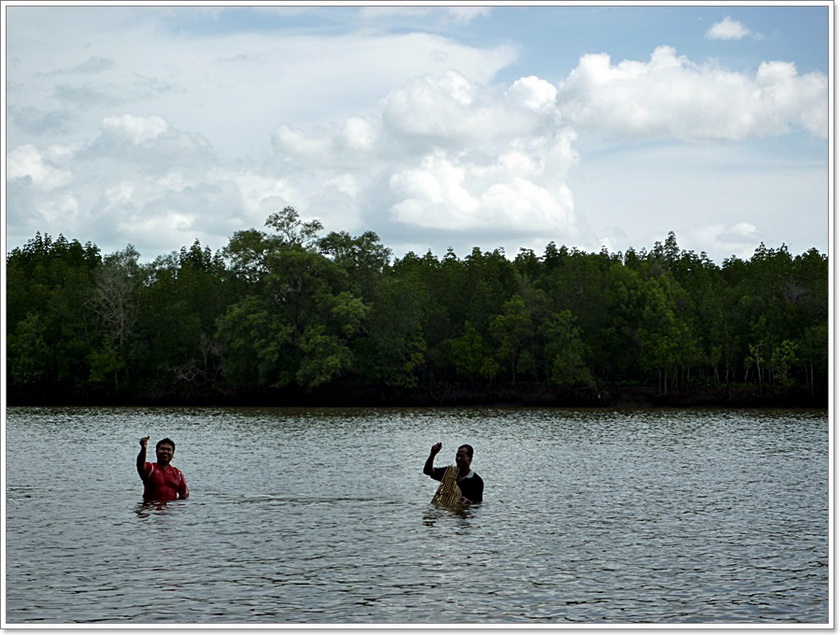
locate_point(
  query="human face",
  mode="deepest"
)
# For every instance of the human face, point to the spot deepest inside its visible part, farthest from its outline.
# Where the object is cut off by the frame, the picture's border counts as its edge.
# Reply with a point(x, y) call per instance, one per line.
point(463, 460)
point(165, 452)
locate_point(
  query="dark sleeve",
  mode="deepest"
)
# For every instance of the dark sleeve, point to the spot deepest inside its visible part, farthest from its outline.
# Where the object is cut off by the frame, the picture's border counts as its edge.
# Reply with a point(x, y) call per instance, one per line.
point(437, 473)
point(473, 488)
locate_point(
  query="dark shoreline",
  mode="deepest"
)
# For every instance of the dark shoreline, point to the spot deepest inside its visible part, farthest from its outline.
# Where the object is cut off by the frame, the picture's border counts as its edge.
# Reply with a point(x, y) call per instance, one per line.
point(607, 396)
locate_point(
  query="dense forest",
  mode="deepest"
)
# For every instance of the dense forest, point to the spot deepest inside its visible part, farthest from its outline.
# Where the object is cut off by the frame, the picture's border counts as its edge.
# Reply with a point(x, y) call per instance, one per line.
point(291, 316)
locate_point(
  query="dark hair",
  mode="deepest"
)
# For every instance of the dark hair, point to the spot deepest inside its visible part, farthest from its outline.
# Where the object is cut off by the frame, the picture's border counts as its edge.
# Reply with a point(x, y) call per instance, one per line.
point(162, 441)
point(467, 447)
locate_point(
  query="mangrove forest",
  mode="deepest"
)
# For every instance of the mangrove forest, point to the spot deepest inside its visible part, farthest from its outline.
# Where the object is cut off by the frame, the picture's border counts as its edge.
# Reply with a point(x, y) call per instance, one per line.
point(290, 315)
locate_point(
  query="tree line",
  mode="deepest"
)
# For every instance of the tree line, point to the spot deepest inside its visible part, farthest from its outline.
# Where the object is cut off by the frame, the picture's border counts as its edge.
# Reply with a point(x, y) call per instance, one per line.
point(288, 314)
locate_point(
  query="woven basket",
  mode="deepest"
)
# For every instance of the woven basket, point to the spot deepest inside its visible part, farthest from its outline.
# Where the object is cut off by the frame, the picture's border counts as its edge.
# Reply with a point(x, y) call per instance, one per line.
point(448, 494)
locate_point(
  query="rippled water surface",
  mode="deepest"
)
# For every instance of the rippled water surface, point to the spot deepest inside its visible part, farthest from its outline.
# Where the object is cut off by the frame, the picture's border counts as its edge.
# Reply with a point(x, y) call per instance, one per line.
point(323, 517)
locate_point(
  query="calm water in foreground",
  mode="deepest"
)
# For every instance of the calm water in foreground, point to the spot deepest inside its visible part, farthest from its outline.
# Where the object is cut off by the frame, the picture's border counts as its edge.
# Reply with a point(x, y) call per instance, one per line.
point(323, 517)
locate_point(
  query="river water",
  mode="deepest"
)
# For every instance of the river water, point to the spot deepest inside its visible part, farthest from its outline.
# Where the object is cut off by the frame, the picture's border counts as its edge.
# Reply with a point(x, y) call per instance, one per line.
point(322, 516)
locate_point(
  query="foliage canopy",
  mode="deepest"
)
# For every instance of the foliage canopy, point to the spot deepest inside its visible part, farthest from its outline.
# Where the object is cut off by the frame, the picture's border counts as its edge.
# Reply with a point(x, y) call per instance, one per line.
point(289, 309)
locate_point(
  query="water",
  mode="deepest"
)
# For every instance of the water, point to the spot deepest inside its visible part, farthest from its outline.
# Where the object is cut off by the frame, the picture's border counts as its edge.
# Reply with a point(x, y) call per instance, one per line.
point(323, 517)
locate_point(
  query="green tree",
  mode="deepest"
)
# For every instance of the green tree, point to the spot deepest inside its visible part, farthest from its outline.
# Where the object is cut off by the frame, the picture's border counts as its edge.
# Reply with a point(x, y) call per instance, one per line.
point(391, 346)
point(325, 356)
point(510, 330)
point(307, 313)
point(814, 351)
point(614, 324)
point(118, 282)
point(363, 258)
point(255, 342)
point(472, 357)
point(667, 341)
point(178, 309)
point(290, 229)
point(284, 307)
point(565, 351)
point(782, 360)
point(28, 352)
point(49, 324)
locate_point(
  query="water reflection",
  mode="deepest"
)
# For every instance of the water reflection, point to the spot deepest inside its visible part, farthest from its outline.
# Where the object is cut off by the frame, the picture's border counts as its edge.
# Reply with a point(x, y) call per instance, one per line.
point(147, 509)
point(144, 509)
point(434, 513)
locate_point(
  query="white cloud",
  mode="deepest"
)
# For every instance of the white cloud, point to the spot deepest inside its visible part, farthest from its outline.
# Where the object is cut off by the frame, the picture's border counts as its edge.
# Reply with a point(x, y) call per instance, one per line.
point(27, 163)
point(159, 214)
point(739, 240)
point(408, 134)
point(350, 143)
point(727, 29)
point(534, 93)
point(138, 130)
point(144, 192)
point(92, 65)
point(465, 15)
point(147, 228)
point(455, 14)
point(513, 192)
point(258, 194)
point(671, 97)
point(131, 141)
point(60, 209)
point(792, 99)
point(120, 194)
point(445, 109)
point(451, 154)
point(231, 88)
point(297, 143)
point(357, 135)
point(451, 111)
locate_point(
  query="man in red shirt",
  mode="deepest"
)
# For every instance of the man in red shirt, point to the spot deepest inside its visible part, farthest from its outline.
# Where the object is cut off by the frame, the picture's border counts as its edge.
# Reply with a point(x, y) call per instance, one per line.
point(162, 481)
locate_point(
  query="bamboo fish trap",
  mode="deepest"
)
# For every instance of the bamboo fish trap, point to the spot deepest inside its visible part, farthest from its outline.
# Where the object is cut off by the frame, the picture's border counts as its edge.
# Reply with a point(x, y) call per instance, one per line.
point(448, 493)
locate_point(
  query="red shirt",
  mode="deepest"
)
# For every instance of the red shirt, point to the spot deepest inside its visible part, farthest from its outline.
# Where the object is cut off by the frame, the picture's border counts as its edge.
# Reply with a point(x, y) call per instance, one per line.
point(163, 483)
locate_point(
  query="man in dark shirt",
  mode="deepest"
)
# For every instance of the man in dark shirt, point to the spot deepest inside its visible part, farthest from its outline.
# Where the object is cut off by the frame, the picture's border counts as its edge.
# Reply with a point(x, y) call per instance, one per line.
point(470, 483)
point(161, 480)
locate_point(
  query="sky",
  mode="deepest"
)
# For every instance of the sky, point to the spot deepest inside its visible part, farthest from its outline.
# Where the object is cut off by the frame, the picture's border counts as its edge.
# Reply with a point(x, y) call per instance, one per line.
point(438, 127)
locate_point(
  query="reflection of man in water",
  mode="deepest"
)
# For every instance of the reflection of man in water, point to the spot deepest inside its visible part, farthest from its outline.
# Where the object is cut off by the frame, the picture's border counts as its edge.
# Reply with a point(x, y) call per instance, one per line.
point(162, 481)
point(470, 483)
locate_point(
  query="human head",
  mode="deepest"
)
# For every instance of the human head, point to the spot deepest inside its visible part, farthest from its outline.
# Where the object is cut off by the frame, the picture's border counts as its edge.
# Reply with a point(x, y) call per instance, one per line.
point(463, 457)
point(165, 450)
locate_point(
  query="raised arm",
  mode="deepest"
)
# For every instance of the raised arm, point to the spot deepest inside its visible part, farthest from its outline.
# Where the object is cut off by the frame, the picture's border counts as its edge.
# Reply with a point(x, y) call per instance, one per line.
point(141, 458)
point(430, 462)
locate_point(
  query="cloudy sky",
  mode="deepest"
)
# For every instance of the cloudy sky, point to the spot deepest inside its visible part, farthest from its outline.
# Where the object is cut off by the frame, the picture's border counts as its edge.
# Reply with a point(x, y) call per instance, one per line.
point(436, 127)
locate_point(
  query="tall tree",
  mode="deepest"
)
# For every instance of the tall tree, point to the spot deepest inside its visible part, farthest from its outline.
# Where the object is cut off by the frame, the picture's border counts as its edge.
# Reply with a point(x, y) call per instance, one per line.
point(50, 328)
point(118, 282)
point(510, 330)
point(565, 351)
